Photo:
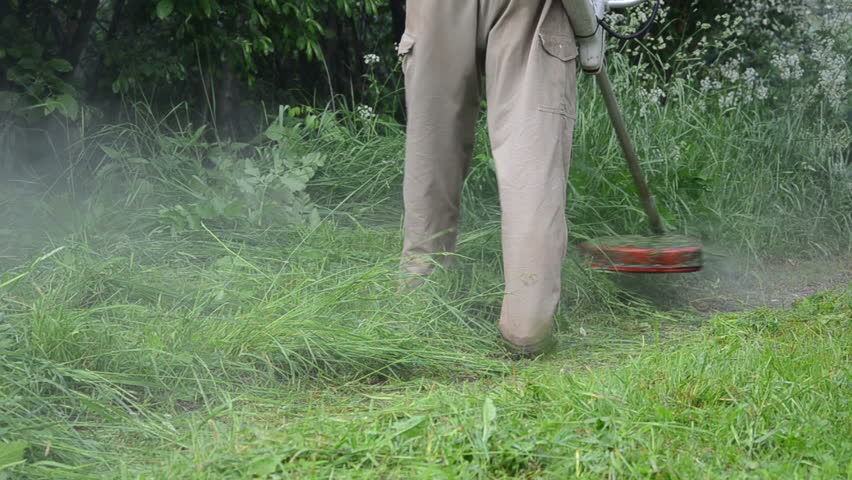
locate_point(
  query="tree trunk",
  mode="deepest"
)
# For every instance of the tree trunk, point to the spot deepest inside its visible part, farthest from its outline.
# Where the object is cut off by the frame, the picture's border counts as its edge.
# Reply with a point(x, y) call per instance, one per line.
point(358, 51)
point(333, 52)
point(46, 23)
point(228, 97)
point(227, 102)
point(117, 12)
point(77, 33)
point(397, 8)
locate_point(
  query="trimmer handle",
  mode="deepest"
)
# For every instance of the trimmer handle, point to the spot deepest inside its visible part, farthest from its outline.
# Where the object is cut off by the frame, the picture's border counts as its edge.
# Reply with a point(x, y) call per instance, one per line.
point(623, 3)
point(585, 16)
point(648, 203)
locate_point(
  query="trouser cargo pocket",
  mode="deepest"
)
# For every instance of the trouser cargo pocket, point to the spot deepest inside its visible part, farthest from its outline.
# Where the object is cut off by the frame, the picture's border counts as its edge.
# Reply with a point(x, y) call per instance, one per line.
point(558, 67)
point(406, 46)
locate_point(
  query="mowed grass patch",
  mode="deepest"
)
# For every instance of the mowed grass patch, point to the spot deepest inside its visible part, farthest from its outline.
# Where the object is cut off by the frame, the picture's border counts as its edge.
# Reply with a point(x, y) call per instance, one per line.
point(213, 354)
point(757, 395)
point(110, 333)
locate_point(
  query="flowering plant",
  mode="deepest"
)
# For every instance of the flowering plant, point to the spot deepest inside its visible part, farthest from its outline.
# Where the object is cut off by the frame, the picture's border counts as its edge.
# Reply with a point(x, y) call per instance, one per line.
point(769, 51)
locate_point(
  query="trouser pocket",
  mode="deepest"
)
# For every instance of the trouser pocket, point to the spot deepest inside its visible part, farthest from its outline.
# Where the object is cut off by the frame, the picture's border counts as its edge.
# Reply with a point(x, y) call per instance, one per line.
point(558, 68)
point(405, 49)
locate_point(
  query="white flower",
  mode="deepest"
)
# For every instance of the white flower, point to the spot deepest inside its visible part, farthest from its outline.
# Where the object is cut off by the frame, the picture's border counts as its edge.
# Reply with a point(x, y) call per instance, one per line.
point(731, 70)
point(371, 58)
point(750, 77)
point(788, 66)
point(729, 100)
point(614, 18)
point(654, 96)
point(708, 84)
point(365, 112)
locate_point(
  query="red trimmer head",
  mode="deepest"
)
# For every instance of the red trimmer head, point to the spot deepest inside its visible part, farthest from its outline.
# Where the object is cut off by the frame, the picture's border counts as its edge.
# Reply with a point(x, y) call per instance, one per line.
point(634, 254)
point(661, 253)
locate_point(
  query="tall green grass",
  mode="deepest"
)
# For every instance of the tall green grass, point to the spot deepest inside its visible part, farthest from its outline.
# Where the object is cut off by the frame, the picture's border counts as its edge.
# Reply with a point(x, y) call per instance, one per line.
point(756, 181)
point(130, 348)
point(208, 356)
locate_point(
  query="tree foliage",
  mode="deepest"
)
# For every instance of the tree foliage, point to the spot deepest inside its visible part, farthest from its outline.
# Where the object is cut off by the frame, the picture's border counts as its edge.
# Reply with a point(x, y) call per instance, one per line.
point(212, 53)
point(219, 56)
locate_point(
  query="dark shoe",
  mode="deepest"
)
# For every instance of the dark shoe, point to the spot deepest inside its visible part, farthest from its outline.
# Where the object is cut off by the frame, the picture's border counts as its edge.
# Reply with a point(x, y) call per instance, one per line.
point(409, 283)
point(530, 352)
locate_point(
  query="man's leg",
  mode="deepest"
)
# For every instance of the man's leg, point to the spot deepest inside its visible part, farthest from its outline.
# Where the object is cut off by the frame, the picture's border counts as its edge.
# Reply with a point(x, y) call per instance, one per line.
point(531, 89)
point(442, 98)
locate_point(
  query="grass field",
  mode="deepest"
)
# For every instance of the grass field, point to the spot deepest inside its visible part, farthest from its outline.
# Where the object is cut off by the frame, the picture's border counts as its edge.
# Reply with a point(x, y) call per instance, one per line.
point(176, 320)
point(199, 357)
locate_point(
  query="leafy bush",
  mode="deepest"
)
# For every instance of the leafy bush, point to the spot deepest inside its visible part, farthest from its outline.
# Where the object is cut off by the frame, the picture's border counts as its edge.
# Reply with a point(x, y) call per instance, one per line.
point(240, 184)
point(251, 192)
point(37, 78)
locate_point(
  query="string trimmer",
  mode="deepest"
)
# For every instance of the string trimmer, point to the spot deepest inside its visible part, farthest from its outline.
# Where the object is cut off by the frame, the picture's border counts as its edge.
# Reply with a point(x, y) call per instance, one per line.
point(663, 252)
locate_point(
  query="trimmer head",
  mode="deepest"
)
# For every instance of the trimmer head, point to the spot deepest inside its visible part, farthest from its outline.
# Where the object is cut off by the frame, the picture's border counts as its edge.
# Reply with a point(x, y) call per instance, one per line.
point(636, 254)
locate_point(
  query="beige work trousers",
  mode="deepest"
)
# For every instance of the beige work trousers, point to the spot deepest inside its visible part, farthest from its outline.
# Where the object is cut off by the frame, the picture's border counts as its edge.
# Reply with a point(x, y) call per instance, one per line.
point(526, 51)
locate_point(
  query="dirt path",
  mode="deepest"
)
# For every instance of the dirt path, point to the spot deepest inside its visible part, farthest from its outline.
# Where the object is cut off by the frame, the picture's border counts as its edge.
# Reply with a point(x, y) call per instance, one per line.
point(730, 284)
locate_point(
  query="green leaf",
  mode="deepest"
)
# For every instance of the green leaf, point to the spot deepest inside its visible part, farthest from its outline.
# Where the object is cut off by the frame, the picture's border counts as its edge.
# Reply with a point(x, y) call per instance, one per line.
point(106, 170)
point(489, 419)
point(165, 8)
point(233, 209)
point(245, 186)
point(60, 65)
point(314, 219)
point(405, 425)
point(251, 170)
point(265, 465)
point(68, 106)
point(293, 183)
point(208, 9)
point(113, 153)
point(314, 159)
point(664, 413)
point(12, 453)
point(206, 210)
point(65, 104)
point(276, 133)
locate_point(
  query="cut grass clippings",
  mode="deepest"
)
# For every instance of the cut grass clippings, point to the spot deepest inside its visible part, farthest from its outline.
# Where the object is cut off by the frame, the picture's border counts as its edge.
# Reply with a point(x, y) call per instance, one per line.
point(758, 395)
point(217, 355)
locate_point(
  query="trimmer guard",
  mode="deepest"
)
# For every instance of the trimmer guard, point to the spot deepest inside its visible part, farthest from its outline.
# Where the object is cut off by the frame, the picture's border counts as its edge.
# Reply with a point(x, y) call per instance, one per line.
point(658, 254)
